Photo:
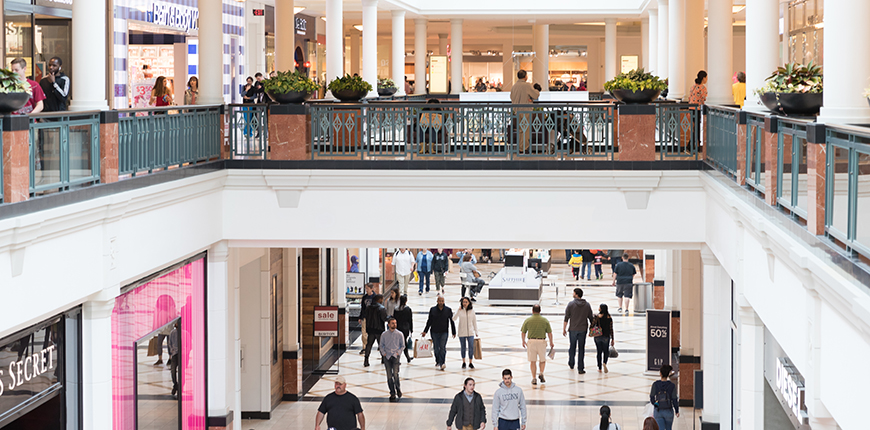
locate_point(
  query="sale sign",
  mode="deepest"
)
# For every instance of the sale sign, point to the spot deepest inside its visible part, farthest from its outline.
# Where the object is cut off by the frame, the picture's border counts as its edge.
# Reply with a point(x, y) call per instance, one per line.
point(658, 339)
point(326, 321)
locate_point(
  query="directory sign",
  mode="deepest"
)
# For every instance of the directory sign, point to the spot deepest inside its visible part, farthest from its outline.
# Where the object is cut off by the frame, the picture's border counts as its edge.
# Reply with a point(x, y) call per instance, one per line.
point(658, 339)
point(438, 71)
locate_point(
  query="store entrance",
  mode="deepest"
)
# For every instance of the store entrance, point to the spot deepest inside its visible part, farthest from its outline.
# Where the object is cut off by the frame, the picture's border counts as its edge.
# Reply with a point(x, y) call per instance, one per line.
point(158, 406)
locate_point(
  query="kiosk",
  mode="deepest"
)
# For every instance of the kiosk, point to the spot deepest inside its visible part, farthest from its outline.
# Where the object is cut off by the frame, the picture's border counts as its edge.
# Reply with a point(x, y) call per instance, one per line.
point(515, 283)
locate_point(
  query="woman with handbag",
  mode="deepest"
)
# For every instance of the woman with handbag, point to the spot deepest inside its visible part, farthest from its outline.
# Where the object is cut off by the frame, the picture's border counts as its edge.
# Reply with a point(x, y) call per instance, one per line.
point(603, 336)
point(466, 329)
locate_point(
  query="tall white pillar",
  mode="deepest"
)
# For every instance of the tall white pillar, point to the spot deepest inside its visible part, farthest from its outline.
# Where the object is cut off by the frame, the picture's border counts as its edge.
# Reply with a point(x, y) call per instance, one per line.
point(664, 24)
point(716, 343)
point(97, 363)
point(89, 29)
point(541, 65)
point(285, 36)
point(694, 43)
point(354, 51)
point(507, 66)
point(421, 50)
point(334, 42)
point(720, 46)
point(609, 49)
point(442, 44)
point(370, 44)
point(762, 46)
point(653, 41)
point(211, 54)
point(750, 368)
point(677, 49)
point(846, 74)
point(644, 42)
point(220, 356)
point(456, 56)
point(398, 52)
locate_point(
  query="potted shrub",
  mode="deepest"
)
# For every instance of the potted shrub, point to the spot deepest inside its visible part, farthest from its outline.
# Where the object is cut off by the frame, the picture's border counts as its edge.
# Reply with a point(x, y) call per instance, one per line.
point(793, 90)
point(14, 91)
point(635, 86)
point(349, 88)
point(290, 87)
point(386, 87)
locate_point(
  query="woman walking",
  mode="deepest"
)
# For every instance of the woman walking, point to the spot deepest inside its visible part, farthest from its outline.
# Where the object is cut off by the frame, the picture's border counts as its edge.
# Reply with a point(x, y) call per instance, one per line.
point(604, 321)
point(192, 91)
point(606, 423)
point(466, 329)
point(404, 322)
point(392, 301)
point(663, 396)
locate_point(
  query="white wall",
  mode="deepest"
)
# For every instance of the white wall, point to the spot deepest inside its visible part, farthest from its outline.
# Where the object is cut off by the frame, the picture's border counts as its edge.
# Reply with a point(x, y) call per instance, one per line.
point(255, 40)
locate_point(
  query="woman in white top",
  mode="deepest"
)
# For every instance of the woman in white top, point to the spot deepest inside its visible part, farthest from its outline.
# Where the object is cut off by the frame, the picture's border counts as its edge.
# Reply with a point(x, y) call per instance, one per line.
point(466, 329)
point(605, 423)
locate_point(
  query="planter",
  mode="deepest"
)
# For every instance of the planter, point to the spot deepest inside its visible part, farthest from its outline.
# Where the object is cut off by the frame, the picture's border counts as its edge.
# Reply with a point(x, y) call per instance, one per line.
point(633, 97)
point(11, 102)
point(386, 92)
point(793, 103)
point(349, 95)
point(290, 97)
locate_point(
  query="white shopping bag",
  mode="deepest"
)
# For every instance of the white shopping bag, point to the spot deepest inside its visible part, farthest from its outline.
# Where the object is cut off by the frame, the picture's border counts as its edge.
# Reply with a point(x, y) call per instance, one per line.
point(422, 348)
point(648, 410)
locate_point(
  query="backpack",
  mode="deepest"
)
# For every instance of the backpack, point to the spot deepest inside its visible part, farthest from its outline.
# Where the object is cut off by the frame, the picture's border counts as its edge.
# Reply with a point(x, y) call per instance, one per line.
point(662, 400)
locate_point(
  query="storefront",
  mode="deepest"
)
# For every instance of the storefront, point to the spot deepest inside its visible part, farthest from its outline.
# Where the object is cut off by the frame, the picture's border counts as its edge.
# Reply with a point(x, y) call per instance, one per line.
point(784, 402)
point(37, 31)
point(40, 375)
point(305, 51)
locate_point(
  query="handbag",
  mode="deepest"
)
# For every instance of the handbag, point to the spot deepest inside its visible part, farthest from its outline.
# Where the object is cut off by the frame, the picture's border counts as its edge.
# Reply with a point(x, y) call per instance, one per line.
point(422, 348)
point(153, 347)
point(478, 353)
point(595, 331)
point(613, 352)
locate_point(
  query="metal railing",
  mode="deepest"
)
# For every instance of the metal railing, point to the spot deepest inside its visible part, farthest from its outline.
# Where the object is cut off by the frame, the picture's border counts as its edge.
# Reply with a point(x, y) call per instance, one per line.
point(721, 139)
point(161, 138)
point(678, 130)
point(791, 171)
point(847, 205)
point(64, 150)
point(248, 130)
point(755, 151)
point(462, 130)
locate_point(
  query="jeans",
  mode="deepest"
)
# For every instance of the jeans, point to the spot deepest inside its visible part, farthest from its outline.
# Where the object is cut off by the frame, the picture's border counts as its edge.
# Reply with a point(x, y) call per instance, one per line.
point(391, 365)
point(587, 269)
point(602, 347)
point(577, 338)
point(474, 290)
point(504, 424)
point(376, 336)
point(664, 418)
point(439, 344)
point(469, 342)
point(424, 275)
point(439, 281)
point(173, 369)
point(598, 271)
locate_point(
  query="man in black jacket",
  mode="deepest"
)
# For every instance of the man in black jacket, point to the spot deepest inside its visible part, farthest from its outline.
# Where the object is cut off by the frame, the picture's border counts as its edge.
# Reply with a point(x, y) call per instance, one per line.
point(439, 317)
point(467, 409)
point(364, 303)
point(440, 265)
point(376, 316)
point(56, 86)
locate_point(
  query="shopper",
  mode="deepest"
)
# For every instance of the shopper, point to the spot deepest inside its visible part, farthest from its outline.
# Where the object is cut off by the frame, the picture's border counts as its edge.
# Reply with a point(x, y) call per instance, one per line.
point(440, 267)
point(259, 90)
point(192, 92)
point(424, 268)
point(588, 258)
point(35, 102)
point(575, 261)
point(614, 257)
point(391, 302)
point(739, 89)
point(467, 409)
point(161, 95)
point(698, 95)
point(403, 261)
point(439, 317)
point(599, 260)
point(467, 251)
point(508, 405)
point(623, 278)
point(522, 93)
point(341, 408)
point(606, 423)
point(663, 396)
point(405, 323)
point(174, 350)
point(486, 255)
point(538, 329)
point(471, 275)
point(376, 315)
point(364, 303)
point(466, 328)
point(603, 342)
point(55, 85)
point(579, 314)
point(650, 424)
point(392, 344)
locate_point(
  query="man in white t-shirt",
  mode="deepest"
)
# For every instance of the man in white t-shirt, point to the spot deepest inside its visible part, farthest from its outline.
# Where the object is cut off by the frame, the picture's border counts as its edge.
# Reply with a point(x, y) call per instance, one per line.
point(404, 263)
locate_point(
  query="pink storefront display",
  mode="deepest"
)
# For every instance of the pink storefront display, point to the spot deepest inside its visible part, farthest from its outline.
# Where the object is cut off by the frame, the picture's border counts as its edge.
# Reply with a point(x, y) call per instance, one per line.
point(139, 312)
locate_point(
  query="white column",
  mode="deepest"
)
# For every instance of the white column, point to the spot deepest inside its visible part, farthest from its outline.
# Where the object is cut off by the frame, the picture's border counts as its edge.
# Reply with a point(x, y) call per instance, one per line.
point(677, 49)
point(220, 377)
point(89, 30)
point(354, 51)
point(456, 56)
point(507, 66)
point(97, 364)
point(211, 53)
point(653, 41)
point(398, 52)
point(846, 75)
point(234, 336)
point(442, 44)
point(334, 42)
point(421, 50)
point(370, 44)
point(750, 368)
point(762, 46)
point(662, 61)
point(285, 36)
point(720, 45)
point(609, 49)
point(541, 66)
point(694, 43)
point(716, 340)
point(644, 42)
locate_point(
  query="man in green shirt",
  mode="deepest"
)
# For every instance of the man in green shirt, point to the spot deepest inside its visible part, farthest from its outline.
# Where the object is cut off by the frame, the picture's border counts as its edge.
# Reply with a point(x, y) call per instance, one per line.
point(538, 329)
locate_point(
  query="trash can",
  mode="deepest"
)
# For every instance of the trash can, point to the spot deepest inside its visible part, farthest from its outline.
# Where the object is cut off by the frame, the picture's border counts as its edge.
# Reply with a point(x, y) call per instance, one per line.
point(643, 297)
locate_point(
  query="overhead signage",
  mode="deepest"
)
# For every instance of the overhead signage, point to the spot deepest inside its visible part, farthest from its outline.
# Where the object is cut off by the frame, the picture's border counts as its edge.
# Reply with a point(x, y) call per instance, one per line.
point(30, 365)
point(259, 12)
point(658, 339)
point(301, 26)
point(355, 282)
point(325, 321)
point(185, 18)
point(790, 386)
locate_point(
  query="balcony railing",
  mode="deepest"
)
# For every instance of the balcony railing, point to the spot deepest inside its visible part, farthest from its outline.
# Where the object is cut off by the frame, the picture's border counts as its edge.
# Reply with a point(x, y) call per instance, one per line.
point(847, 207)
point(678, 130)
point(755, 151)
point(248, 130)
point(722, 138)
point(64, 150)
point(791, 171)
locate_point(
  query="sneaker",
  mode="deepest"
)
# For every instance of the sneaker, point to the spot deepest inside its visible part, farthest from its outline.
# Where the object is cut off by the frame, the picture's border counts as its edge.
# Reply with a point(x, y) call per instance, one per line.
point(443, 366)
point(419, 293)
point(541, 377)
point(472, 299)
point(463, 365)
point(362, 351)
point(534, 381)
point(398, 393)
point(471, 365)
point(619, 310)
point(409, 359)
point(393, 399)
point(581, 372)
point(605, 368)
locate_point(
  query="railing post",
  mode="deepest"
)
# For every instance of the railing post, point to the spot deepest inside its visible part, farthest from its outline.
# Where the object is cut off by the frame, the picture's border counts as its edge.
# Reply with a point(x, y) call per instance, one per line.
point(289, 132)
point(771, 159)
point(741, 147)
point(636, 132)
point(226, 145)
point(16, 158)
point(109, 146)
point(702, 137)
point(816, 178)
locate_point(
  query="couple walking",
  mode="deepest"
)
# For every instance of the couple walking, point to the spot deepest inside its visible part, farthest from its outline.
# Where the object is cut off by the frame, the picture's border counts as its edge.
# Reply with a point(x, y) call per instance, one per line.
point(440, 316)
point(579, 319)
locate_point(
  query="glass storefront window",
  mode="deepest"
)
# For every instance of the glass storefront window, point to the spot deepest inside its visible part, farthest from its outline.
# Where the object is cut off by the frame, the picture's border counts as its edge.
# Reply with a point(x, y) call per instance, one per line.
point(19, 38)
point(52, 39)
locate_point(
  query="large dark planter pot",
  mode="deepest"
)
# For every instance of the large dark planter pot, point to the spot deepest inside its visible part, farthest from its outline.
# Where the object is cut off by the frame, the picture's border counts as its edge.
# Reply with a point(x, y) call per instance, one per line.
point(385, 92)
point(290, 97)
point(633, 97)
point(11, 102)
point(793, 103)
point(349, 95)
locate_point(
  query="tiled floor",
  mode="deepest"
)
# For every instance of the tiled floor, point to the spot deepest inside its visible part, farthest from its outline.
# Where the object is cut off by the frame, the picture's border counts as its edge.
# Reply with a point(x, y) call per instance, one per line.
point(567, 400)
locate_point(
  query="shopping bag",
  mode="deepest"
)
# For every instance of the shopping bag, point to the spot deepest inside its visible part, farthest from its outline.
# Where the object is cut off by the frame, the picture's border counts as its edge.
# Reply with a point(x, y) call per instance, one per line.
point(415, 277)
point(422, 348)
point(153, 346)
point(613, 352)
point(648, 410)
point(478, 353)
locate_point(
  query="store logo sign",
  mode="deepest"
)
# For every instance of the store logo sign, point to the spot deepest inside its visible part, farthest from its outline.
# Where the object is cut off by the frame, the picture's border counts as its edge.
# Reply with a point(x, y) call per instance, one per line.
point(29, 366)
point(790, 385)
point(301, 26)
point(172, 15)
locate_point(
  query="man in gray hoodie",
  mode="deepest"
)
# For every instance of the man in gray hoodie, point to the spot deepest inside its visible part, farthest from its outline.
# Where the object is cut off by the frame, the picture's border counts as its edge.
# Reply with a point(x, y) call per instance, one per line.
point(508, 405)
point(579, 314)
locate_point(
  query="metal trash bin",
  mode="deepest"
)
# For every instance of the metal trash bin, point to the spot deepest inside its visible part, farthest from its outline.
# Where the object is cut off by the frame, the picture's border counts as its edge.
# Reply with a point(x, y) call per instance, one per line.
point(643, 296)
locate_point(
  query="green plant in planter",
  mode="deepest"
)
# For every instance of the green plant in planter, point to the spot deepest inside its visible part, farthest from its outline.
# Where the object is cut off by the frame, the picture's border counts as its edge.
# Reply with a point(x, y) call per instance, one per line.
point(636, 80)
point(386, 83)
point(349, 83)
point(286, 82)
point(10, 82)
point(794, 78)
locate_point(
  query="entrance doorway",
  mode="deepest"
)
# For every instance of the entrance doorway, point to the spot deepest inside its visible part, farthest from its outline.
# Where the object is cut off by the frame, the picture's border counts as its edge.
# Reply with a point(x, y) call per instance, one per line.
point(158, 384)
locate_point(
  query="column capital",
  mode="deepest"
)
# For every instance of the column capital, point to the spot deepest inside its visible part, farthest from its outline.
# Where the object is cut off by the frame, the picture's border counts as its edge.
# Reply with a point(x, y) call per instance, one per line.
point(609, 21)
point(421, 21)
point(653, 12)
point(456, 21)
point(708, 258)
point(370, 3)
point(98, 309)
point(398, 13)
point(663, 3)
point(219, 252)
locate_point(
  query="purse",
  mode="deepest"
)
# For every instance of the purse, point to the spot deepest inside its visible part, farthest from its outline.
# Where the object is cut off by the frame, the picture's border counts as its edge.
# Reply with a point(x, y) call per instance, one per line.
point(478, 351)
point(613, 352)
point(595, 331)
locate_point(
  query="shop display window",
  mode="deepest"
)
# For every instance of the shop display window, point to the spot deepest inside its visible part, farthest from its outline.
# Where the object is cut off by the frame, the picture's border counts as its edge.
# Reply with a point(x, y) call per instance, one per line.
point(160, 60)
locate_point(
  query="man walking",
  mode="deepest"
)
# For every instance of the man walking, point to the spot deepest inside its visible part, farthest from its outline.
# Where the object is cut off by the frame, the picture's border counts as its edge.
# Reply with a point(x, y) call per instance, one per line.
point(403, 261)
point(341, 408)
point(538, 329)
point(623, 278)
point(440, 266)
point(376, 315)
point(522, 93)
point(439, 317)
point(56, 87)
point(588, 260)
point(392, 344)
point(174, 351)
point(364, 303)
point(508, 405)
point(579, 314)
point(467, 409)
point(424, 268)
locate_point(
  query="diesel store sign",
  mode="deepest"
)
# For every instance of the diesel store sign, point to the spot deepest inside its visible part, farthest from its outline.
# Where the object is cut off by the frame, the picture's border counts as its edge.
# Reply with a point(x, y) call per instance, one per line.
point(30, 366)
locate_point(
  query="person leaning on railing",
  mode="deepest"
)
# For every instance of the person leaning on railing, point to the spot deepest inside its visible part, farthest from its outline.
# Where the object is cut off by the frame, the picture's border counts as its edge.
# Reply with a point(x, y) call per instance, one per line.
point(523, 93)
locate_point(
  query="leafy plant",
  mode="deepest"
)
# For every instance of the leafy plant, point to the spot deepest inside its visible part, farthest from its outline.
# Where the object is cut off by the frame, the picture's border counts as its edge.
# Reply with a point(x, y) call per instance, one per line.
point(636, 80)
point(349, 83)
point(10, 82)
point(794, 78)
point(286, 82)
point(386, 84)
